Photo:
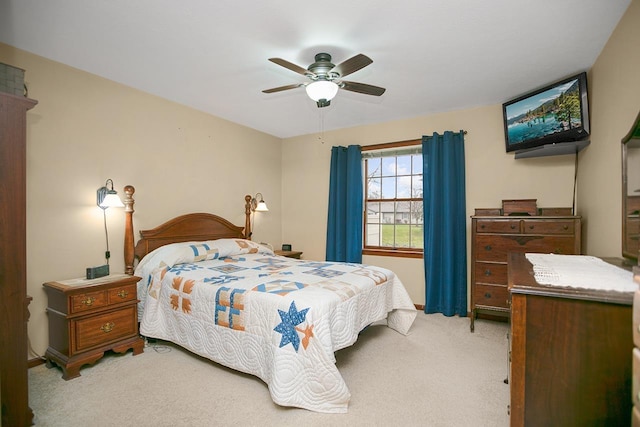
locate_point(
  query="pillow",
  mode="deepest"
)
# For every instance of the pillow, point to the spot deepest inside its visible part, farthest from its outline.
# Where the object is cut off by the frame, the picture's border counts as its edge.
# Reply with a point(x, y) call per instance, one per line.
point(186, 252)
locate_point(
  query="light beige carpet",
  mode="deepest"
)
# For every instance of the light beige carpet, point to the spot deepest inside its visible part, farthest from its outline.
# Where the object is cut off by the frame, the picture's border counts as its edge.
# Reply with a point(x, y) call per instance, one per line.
point(438, 375)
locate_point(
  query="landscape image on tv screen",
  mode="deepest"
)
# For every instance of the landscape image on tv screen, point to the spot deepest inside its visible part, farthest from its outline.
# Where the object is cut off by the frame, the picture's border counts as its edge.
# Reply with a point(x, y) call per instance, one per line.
point(546, 113)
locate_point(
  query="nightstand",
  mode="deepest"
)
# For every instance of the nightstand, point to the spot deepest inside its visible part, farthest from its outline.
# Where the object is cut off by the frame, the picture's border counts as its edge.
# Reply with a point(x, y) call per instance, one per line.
point(89, 317)
point(288, 254)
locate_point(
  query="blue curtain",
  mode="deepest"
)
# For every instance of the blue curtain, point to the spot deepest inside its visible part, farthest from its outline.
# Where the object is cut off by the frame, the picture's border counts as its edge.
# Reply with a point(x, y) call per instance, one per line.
point(445, 230)
point(344, 225)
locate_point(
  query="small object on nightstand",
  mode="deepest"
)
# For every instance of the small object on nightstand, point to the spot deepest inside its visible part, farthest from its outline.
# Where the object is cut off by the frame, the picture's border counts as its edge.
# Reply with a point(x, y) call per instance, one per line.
point(286, 247)
point(89, 317)
point(289, 254)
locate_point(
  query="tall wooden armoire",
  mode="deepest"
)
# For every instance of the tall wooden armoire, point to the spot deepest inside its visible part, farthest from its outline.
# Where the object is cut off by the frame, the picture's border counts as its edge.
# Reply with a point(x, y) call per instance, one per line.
point(13, 255)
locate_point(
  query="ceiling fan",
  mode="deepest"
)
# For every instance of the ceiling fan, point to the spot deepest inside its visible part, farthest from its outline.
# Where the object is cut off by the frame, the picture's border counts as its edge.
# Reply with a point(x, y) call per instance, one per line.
point(326, 78)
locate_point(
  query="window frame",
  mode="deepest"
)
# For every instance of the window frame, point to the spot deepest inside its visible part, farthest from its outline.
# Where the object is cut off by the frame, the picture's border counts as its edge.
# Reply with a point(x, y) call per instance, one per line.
point(382, 250)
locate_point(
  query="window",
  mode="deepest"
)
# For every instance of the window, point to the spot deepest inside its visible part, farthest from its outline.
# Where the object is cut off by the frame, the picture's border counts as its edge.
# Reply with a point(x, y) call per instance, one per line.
point(393, 220)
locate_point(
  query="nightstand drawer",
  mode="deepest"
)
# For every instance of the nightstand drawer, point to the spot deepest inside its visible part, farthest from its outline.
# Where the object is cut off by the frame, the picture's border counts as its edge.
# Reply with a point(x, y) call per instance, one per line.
point(88, 301)
point(94, 331)
point(122, 294)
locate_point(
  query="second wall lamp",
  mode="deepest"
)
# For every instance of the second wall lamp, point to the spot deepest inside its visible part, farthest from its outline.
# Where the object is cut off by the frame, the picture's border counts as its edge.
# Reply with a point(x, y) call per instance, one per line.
point(258, 204)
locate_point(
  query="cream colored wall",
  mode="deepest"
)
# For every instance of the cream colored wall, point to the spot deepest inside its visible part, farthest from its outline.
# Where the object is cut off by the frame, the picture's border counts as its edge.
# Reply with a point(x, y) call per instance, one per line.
point(614, 84)
point(491, 176)
point(86, 129)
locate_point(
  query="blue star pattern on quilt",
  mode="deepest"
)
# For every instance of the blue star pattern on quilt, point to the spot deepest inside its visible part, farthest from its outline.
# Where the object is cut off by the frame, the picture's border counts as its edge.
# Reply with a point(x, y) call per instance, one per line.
point(287, 327)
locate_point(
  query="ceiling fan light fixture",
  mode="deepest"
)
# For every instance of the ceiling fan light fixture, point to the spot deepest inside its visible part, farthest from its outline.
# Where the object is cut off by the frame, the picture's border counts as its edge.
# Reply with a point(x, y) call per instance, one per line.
point(322, 89)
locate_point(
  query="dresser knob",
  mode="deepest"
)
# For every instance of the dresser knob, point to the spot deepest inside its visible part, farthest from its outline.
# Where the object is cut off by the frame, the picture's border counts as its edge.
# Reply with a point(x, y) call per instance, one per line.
point(566, 227)
point(531, 227)
point(482, 226)
point(513, 226)
point(488, 247)
point(123, 294)
point(487, 272)
point(88, 301)
point(487, 295)
point(107, 327)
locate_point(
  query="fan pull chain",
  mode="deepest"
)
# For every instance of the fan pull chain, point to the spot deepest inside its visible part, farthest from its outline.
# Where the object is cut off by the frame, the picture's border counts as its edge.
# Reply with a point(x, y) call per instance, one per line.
point(321, 126)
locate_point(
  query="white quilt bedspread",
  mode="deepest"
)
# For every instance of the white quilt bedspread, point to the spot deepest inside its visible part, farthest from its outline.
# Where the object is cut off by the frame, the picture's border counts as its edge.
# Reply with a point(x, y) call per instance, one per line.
point(236, 303)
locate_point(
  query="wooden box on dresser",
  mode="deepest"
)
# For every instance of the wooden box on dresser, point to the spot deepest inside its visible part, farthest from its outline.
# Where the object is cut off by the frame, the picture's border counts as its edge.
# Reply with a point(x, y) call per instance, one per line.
point(13, 261)
point(570, 362)
point(494, 236)
point(89, 317)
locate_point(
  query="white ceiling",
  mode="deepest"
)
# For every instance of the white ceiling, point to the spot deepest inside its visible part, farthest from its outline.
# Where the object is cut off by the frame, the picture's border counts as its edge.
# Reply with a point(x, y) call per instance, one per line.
point(431, 55)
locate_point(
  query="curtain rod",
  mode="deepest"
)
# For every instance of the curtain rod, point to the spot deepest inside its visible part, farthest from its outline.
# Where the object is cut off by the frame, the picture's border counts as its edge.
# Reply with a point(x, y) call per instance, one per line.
point(397, 144)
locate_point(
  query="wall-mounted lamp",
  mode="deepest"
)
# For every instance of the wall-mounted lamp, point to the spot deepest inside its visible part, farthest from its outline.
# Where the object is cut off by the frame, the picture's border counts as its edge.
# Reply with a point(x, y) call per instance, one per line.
point(106, 197)
point(258, 204)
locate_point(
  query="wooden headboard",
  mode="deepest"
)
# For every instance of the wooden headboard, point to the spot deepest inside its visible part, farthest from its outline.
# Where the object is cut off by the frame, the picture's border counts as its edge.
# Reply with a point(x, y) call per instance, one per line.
point(184, 228)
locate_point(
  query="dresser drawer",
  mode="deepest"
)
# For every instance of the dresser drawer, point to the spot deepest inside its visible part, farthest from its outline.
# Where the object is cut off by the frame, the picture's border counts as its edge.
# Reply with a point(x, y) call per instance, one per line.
point(498, 226)
point(122, 294)
point(495, 248)
point(88, 301)
point(532, 226)
point(490, 273)
point(491, 295)
point(94, 331)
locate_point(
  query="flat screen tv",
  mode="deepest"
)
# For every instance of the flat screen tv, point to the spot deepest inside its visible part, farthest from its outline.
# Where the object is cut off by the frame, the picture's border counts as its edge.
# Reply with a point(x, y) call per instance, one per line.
point(556, 113)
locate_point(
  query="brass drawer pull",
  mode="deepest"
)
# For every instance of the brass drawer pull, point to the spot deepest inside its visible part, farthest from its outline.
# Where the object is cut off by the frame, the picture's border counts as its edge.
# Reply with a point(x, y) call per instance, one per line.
point(531, 227)
point(107, 327)
point(88, 301)
point(566, 227)
point(123, 294)
point(513, 226)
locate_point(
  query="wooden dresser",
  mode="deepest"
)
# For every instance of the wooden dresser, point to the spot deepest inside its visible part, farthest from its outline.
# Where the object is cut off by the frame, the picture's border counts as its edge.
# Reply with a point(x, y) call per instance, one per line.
point(89, 317)
point(570, 353)
point(494, 236)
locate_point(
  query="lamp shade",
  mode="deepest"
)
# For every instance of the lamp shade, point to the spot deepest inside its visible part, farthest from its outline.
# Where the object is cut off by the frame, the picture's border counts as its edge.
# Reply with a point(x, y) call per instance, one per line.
point(111, 200)
point(262, 207)
point(322, 89)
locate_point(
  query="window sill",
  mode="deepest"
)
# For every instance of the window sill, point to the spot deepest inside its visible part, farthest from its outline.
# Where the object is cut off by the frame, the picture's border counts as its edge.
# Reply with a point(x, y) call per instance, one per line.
point(400, 253)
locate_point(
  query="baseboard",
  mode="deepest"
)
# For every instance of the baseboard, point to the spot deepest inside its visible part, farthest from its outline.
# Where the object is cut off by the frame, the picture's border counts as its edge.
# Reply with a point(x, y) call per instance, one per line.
point(32, 363)
point(419, 307)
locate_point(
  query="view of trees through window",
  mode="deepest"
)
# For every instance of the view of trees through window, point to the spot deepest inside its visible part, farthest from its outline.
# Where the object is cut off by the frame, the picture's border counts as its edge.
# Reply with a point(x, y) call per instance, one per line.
point(393, 201)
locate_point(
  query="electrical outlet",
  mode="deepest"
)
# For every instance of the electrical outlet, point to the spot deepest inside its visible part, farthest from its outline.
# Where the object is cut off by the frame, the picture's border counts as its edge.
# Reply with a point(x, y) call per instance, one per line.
point(95, 272)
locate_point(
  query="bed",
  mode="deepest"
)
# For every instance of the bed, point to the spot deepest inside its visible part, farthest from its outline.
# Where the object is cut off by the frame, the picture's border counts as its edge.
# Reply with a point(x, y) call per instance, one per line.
point(208, 288)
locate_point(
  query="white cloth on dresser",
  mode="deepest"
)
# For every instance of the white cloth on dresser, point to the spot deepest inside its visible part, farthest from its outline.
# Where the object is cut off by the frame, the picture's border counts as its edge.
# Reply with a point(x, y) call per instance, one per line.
point(580, 271)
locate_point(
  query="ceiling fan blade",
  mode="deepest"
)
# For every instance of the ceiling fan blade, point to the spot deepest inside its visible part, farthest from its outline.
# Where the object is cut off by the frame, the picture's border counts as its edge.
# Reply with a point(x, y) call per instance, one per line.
point(293, 67)
point(281, 88)
point(352, 65)
point(362, 88)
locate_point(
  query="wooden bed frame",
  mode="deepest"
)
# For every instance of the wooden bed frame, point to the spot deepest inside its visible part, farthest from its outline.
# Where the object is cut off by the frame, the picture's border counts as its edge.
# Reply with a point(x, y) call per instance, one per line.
point(184, 228)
